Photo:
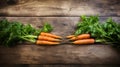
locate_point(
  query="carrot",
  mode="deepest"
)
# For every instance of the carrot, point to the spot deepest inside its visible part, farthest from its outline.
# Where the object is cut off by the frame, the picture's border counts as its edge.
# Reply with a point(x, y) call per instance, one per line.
point(84, 41)
point(70, 36)
point(47, 38)
point(42, 42)
point(50, 35)
point(82, 36)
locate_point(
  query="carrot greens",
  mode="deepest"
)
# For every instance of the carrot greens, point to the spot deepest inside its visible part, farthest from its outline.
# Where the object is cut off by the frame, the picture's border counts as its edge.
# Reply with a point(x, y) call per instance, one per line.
point(13, 32)
point(107, 32)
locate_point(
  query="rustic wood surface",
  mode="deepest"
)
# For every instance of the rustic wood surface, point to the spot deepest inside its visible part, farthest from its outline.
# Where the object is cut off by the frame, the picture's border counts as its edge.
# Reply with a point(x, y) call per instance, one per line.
point(60, 7)
point(62, 54)
point(63, 16)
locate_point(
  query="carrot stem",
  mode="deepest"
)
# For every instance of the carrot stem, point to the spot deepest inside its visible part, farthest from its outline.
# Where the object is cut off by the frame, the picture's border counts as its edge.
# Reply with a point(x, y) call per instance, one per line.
point(99, 40)
point(30, 36)
point(30, 40)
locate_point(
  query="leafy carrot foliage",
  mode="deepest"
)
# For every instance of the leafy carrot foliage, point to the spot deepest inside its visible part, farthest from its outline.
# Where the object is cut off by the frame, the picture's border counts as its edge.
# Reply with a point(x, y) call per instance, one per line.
point(108, 31)
point(13, 32)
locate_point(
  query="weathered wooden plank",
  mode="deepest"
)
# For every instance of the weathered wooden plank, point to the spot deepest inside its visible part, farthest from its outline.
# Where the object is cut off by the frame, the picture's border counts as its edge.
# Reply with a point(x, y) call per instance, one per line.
point(64, 53)
point(62, 8)
point(62, 25)
point(76, 65)
point(60, 65)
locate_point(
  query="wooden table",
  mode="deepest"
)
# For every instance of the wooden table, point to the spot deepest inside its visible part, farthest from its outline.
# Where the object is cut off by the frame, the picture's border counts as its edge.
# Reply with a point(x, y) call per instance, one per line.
point(63, 15)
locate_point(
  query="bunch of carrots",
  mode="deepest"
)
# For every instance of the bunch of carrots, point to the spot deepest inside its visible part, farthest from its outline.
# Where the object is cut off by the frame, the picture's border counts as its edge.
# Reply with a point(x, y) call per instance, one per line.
point(91, 30)
point(82, 39)
point(48, 39)
point(14, 32)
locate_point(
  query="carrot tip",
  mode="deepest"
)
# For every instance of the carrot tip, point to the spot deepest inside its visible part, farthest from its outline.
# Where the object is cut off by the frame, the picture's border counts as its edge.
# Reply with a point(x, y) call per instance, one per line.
point(59, 37)
point(58, 40)
point(70, 36)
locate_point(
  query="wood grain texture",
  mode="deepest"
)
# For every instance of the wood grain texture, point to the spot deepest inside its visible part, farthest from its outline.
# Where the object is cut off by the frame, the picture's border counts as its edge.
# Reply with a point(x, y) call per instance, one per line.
point(62, 54)
point(62, 8)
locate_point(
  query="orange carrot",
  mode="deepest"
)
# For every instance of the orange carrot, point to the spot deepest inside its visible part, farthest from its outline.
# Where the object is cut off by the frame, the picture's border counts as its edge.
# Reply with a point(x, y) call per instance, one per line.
point(82, 36)
point(50, 35)
point(84, 41)
point(47, 38)
point(42, 42)
point(70, 36)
